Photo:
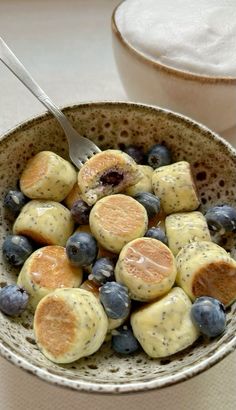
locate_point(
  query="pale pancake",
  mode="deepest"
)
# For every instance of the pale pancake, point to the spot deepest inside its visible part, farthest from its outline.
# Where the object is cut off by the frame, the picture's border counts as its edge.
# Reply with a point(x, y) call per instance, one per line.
point(144, 184)
point(48, 176)
point(174, 185)
point(164, 327)
point(46, 222)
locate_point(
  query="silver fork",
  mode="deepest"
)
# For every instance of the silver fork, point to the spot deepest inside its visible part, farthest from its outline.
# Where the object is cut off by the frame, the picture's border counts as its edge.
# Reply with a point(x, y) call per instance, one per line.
point(80, 148)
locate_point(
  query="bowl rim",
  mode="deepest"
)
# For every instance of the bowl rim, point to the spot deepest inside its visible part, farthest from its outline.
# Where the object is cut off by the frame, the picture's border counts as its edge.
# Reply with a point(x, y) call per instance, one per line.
point(186, 75)
point(9, 353)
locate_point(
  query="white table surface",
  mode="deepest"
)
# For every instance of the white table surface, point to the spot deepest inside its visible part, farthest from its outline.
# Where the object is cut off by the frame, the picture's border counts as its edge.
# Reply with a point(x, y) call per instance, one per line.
point(66, 45)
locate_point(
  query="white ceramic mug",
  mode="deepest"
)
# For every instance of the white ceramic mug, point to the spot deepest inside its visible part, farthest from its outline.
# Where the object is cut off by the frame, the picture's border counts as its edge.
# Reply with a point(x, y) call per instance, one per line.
point(207, 99)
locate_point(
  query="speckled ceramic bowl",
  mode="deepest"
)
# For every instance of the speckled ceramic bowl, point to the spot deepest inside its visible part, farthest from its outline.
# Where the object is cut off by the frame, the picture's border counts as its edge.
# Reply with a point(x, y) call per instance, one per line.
point(115, 125)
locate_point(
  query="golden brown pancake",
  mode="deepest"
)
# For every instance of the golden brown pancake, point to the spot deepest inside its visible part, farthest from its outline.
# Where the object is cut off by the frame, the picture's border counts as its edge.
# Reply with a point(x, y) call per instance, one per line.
point(147, 267)
point(69, 324)
point(106, 173)
point(33, 172)
point(48, 269)
point(116, 220)
point(56, 326)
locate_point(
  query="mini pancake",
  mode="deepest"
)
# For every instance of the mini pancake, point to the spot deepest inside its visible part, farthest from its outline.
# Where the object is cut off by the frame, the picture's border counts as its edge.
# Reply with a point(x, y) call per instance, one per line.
point(175, 186)
point(185, 227)
point(47, 176)
point(147, 267)
point(106, 173)
point(145, 183)
point(69, 324)
point(164, 327)
point(206, 269)
point(73, 196)
point(45, 270)
point(116, 220)
point(46, 222)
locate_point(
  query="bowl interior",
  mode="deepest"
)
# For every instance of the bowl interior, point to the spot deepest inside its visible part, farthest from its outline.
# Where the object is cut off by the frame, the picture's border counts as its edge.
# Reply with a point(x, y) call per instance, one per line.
point(113, 125)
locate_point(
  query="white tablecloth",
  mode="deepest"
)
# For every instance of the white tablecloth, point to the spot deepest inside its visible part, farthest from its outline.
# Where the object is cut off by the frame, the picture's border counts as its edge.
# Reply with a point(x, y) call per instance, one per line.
point(66, 45)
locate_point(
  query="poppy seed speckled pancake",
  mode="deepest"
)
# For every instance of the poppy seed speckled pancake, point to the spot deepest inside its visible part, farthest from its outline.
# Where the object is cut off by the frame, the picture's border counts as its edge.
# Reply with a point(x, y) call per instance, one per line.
point(47, 269)
point(69, 324)
point(106, 173)
point(147, 267)
point(48, 176)
point(116, 220)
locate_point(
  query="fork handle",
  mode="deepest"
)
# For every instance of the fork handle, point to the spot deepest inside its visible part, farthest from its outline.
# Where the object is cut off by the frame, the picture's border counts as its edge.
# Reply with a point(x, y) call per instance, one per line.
point(16, 67)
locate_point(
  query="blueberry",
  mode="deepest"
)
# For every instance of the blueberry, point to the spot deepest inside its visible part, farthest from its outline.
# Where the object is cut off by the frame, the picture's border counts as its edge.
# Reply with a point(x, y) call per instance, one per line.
point(158, 156)
point(103, 270)
point(157, 233)
point(136, 153)
point(208, 314)
point(112, 178)
point(13, 300)
point(80, 212)
point(151, 203)
point(221, 218)
point(16, 249)
point(81, 249)
point(123, 341)
point(14, 200)
point(115, 300)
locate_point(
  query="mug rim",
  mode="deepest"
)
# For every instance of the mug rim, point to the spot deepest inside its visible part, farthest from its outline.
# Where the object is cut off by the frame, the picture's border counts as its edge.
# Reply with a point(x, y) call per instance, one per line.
point(186, 75)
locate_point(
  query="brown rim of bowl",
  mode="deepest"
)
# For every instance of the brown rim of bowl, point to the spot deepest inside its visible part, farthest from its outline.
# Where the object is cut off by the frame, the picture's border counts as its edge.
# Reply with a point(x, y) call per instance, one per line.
point(8, 352)
point(187, 75)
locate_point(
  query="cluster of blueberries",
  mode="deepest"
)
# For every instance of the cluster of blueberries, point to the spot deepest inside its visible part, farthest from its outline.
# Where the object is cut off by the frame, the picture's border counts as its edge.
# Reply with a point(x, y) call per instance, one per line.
point(207, 313)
